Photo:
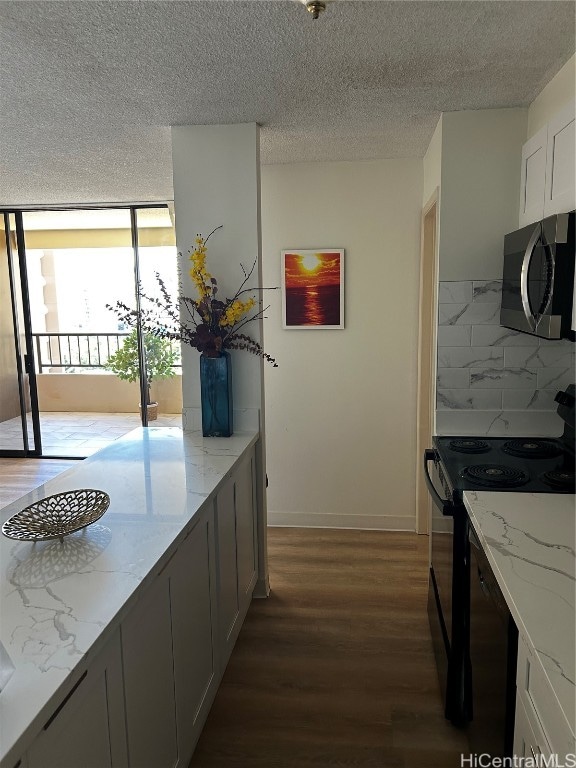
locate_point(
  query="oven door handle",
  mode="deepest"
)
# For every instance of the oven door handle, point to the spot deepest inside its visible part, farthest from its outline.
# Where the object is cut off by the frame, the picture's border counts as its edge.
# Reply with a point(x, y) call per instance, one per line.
point(444, 504)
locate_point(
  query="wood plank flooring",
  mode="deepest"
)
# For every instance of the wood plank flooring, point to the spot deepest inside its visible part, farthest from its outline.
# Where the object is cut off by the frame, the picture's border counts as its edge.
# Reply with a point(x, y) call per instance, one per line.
point(18, 476)
point(336, 668)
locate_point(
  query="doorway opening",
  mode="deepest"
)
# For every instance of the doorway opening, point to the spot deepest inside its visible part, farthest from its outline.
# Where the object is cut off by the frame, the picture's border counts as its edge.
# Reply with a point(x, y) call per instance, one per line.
point(65, 391)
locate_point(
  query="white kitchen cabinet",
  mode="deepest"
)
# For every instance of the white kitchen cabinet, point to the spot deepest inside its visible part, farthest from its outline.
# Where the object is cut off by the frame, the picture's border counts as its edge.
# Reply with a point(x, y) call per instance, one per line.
point(245, 532)
point(177, 639)
point(236, 553)
point(142, 701)
point(533, 178)
point(87, 728)
point(227, 601)
point(547, 178)
point(560, 194)
point(149, 679)
point(529, 739)
point(192, 576)
point(540, 724)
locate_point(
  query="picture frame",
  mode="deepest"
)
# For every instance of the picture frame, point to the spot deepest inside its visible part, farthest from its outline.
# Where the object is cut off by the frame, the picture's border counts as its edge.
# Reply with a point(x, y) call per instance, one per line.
point(312, 284)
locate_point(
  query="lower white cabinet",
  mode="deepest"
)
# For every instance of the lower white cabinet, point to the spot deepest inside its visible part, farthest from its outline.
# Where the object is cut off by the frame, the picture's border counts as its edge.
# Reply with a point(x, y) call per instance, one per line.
point(540, 727)
point(227, 604)
point(236, 552)
point(170, 673)
point(529, 740)
point(245, 532)
point(149, 679)
point(143, 701)
point(192, 577)
point(87, 728)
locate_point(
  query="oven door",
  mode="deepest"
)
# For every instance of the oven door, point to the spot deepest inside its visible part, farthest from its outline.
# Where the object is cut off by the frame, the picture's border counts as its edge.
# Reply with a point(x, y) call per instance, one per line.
point(447, 593)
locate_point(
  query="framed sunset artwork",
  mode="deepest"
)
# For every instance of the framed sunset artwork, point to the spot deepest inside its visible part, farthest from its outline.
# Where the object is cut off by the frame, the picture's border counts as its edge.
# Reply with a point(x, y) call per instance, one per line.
point(313, 289)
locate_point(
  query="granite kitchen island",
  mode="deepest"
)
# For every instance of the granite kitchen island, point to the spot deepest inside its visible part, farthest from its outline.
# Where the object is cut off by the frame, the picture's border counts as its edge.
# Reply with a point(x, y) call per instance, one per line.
point(105, 624)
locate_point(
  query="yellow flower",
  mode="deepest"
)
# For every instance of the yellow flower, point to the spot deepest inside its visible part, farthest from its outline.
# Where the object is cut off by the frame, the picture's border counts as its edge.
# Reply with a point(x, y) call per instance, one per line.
point(235, 311)
point(198, 273)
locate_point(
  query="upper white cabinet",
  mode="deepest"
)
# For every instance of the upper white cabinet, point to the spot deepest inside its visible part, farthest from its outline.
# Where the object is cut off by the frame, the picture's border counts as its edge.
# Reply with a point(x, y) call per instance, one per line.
point(560, 193)
point(533, 177)
point(547, 179)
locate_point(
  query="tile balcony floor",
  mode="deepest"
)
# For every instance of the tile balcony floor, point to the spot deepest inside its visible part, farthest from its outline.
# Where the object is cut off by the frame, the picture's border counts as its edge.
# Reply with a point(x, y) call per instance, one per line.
point(78, 434)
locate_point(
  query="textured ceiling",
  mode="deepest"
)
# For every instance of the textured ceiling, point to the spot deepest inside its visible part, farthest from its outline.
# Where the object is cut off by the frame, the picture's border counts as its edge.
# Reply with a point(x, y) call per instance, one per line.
point(88, 90)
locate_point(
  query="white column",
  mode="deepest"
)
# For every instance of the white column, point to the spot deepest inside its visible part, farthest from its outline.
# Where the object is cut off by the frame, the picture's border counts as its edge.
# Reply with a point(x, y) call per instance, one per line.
point(216, 171)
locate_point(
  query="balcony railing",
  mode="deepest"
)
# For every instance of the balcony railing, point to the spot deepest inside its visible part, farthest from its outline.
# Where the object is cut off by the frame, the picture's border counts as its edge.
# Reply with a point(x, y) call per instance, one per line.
point(70, 351)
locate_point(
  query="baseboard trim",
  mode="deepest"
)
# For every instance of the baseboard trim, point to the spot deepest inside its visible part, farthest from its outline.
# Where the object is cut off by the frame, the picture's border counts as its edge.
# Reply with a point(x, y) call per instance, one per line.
point(329, 520)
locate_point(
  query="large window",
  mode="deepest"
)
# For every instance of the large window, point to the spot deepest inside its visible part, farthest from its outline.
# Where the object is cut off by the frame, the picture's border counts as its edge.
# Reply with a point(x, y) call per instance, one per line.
point(77, 262)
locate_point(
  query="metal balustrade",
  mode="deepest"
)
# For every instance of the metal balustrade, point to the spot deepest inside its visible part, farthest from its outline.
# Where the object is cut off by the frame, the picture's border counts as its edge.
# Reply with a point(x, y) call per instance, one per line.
point(76, 350)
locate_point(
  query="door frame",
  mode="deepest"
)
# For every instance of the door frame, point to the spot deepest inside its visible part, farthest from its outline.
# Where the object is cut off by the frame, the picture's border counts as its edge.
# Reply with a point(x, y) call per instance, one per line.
point(30, 357)
point(427, 344)
point(24, 359)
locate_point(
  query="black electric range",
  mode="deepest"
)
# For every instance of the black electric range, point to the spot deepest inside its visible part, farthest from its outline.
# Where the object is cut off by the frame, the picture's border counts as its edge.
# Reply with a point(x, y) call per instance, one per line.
point(463, 463)
point(536, 465)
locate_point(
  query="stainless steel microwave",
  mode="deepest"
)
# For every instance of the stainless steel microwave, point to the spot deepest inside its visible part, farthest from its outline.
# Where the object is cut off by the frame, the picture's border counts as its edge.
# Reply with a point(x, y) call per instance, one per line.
point(538, 278)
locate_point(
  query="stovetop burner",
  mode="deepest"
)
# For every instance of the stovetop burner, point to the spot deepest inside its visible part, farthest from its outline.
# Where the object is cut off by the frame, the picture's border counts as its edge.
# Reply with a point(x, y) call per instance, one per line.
point(521, 463)
point(561, 479)
point(495, 476)
point(469, 445)
point(530, 448)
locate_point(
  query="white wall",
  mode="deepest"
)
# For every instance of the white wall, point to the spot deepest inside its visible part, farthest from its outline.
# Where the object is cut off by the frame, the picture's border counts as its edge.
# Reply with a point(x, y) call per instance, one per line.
point(560, 90)
point(216, 181)
point(481, 153)
point(341, 407)
point(216, 172)
point(104, 393)
point(432, 164)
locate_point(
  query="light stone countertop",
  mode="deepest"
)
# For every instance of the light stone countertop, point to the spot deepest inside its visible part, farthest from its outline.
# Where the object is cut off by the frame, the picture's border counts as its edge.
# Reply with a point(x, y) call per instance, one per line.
point(59, 602)
point(530, 540)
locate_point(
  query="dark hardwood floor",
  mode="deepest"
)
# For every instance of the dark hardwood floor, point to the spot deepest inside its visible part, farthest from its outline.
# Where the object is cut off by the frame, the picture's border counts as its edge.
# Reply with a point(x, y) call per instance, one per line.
point(336, 668)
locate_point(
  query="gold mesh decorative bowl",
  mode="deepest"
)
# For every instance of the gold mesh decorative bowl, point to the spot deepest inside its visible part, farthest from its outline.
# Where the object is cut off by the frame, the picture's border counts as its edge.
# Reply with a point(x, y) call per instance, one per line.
point(57, 516)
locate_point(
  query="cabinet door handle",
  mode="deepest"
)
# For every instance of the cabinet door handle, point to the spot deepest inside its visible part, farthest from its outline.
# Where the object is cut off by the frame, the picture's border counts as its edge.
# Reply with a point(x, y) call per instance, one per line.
point(63, 703)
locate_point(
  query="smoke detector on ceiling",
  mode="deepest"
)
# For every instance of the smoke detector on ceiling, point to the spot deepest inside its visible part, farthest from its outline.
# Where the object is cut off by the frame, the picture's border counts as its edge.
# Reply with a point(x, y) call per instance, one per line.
point(315, 7)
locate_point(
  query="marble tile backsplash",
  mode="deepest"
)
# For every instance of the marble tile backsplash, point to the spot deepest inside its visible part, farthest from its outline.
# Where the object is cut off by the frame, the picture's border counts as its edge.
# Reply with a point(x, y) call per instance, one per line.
point(492, 380)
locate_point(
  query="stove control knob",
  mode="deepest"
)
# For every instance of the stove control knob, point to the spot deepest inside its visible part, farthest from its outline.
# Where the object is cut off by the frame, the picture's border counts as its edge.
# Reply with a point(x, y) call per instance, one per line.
point(564, 398)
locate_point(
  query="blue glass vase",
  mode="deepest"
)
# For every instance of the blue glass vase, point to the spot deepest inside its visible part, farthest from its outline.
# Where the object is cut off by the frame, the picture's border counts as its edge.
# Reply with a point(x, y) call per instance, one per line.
point(216, 395)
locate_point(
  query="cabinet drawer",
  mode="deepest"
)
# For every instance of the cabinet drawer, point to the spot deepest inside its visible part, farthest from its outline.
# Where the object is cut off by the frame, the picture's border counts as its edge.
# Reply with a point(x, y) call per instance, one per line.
point(540, 702)
point(529, 739)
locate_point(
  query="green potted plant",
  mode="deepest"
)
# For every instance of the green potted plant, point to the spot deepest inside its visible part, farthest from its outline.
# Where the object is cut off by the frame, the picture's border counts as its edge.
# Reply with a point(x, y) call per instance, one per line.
point(160, 357)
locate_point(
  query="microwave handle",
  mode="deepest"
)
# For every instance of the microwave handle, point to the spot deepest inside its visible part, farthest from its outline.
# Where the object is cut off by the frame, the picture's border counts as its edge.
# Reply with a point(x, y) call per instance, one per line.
point(534, 237)
point(443, 504)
